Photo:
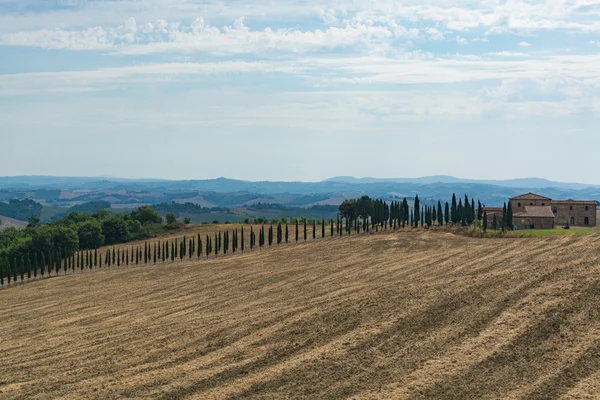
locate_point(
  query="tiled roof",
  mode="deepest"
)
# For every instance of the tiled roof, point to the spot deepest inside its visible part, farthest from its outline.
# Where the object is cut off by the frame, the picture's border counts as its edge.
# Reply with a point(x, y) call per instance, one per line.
point(583, 202)
point(530, 196)
point(536, 212)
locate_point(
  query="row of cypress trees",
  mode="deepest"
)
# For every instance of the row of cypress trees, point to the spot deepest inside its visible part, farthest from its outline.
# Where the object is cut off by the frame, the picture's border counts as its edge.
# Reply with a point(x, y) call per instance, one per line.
point(163, 251)
point(396, 214)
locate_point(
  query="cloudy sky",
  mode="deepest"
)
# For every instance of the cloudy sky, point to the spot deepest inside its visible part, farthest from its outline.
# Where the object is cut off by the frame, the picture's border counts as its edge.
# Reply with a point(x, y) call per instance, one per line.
point(300, 90)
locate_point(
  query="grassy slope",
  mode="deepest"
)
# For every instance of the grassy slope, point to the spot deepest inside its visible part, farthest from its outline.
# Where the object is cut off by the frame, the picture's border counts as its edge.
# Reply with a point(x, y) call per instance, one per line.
point(408, 315)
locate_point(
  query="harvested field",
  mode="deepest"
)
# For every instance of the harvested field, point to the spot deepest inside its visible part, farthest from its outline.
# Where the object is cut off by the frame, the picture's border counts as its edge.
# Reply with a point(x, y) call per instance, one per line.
point(408, 315)
point(11, 223)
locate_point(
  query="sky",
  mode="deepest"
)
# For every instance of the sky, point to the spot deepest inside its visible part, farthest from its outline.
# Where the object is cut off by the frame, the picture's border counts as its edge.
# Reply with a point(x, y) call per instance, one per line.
point(300, 90)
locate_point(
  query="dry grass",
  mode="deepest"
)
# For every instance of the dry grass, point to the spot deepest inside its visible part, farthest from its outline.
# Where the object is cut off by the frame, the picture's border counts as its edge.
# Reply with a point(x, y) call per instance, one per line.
point(406, 316)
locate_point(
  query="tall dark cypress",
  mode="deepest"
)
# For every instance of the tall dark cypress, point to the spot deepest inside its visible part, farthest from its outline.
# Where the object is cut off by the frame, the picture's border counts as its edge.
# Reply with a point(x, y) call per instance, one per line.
point(331, 229)
point(297, 231)
point(286, 233)
point(509, 216)
point(314, 228)
point(454, 210)
point(417, 210)
point(42, 264)
point(242, 237)
point(323, 228)
point(15, 269)
point(22, 264)
point(305, 229)
point(485, 222)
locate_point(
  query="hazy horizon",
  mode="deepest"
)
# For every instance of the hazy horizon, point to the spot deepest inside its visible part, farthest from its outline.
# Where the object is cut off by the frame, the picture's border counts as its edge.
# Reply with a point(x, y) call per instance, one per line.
point(301, 181)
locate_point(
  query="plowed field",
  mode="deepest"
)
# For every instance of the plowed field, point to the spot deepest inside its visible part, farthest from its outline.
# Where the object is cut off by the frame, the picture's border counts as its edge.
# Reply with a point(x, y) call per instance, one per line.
point(409, 315)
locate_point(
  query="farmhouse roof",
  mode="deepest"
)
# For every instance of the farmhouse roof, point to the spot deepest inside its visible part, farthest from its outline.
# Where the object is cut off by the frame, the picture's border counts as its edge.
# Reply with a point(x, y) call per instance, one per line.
point(530, 196)
point(493, 209)
point(536, 212)
point(570, 201)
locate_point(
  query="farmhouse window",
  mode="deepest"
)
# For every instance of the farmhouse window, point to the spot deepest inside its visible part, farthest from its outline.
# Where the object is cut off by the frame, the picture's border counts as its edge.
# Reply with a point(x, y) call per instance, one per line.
point(530, 204)
point(587, 208)
point(555, 210)
point(543, 204)
point(571, 208)
point(519, 205)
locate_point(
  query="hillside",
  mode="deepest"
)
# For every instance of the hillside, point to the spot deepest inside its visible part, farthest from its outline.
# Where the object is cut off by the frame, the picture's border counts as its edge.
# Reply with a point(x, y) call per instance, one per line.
point(11, 223)
point(406, 315)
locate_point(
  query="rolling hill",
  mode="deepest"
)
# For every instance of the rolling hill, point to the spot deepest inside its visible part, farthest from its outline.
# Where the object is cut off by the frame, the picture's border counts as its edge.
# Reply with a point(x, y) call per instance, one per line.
point(410, 315)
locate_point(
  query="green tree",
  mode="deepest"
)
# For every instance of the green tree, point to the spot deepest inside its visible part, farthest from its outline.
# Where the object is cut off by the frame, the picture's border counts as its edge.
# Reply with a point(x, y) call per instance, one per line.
point(115, 230)
point(297, 231)
point(494, 222)
point(146, 215)
point(171, 218)
point(509, 216)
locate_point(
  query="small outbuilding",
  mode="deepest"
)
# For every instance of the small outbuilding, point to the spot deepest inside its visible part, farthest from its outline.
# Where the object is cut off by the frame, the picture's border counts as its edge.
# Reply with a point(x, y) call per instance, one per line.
point(534, 217)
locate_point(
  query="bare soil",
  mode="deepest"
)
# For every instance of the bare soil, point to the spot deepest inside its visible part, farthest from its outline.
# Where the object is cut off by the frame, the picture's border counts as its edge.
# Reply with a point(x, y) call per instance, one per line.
point(409, 315)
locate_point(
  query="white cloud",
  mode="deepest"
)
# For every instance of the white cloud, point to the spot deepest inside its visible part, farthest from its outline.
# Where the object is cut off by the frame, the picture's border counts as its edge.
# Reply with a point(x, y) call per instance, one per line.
point(524, 44)
point(161, 36)
point(461, 40)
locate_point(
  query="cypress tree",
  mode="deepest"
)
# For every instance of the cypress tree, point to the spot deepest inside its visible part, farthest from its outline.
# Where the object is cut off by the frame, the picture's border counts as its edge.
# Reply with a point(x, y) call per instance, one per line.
point(14, 268)
point(242, 242)
point(454, 210)
point(2, 268)
point(183, 249)
point(251, 238)
point(191, 249)
point(479, 210)
point(286, 233)
point(22, 264)
point(331, 222)
point(504, 220)
point(199, 254)
point(472, 210)
point(305, 229)
point(314, 228)
point(495, 223)
point(81, 266)
point(114, 257)
point(296, 230)
point(509, 216)
point(417, 209)
point(118, 258)
point(28, 266)
point(323, 228)
point(42, 264)
point(485, 220)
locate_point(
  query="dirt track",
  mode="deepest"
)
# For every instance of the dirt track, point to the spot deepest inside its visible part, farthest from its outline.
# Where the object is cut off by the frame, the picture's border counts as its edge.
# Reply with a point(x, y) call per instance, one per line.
point(408, 315)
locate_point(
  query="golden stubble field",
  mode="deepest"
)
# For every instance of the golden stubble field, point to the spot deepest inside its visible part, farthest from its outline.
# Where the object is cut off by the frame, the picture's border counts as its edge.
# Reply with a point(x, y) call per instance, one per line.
point(409, 315)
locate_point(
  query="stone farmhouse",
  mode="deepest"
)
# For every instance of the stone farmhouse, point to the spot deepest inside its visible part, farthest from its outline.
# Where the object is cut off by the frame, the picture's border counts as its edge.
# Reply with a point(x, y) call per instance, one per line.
point(532, 211)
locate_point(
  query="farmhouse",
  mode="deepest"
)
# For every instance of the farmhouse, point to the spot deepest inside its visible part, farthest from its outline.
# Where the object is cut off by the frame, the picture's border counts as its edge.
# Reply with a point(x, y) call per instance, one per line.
point(532, 211)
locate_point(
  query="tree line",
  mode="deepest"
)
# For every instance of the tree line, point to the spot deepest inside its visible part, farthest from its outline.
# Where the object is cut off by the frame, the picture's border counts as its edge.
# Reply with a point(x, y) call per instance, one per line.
point(72, 244)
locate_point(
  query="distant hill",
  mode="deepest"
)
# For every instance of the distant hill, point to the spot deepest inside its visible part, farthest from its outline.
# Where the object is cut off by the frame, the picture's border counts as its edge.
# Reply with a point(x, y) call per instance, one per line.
point(63, 193)
point(526, 183)
point(6, 222)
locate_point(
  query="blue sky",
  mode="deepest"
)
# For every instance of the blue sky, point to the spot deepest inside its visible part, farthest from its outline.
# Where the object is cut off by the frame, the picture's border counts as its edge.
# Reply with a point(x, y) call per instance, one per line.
point(298, 90)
